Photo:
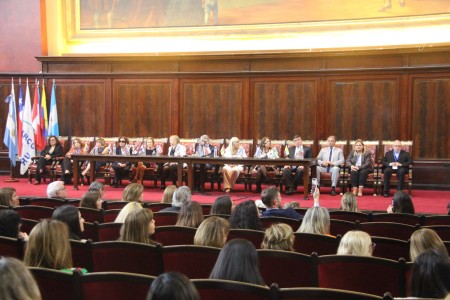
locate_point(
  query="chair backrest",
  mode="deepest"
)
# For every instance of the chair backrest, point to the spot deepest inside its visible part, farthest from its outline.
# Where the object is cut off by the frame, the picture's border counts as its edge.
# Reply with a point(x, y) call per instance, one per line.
point(398, 218)
point(342, 144)
point(190, 144)
point(277, 144)
point(113, 285)
point(390, 248)
point(406, 146)
point(341, 226)
point(91, 215)
point(436, 220)
point(351, 216)
point(156, 206)
point(246, 144)
point(54, 284)
point(28, 225)
point(174, 235)
point(161, 145)
point(90, 232)
point(193, 261)
point(73, 201)
point(227, 289)
point(254, 236)
point(268, 221)
point(34, 212)
point(11, 247)
point(311, 293)
point(165, 218)
point(206, 208)
point(82, 254)
point(47, 202)
point(274, 263)
point(442, 230)
point(136, 143)
point(372, 275)
point(110, 215)
point(113, 204)
point(308, 243)
point(127, 257)
point(388, 229)
point(107, 231)
point(64, 140)
point(87, 142)
point(218, 143)
point(111, 143)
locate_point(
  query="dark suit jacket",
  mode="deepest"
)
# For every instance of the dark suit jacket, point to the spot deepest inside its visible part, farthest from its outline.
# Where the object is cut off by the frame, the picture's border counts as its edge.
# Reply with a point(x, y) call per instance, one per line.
point(404, 158)
point(57, 152)
point(366, 160)
point(307, 153)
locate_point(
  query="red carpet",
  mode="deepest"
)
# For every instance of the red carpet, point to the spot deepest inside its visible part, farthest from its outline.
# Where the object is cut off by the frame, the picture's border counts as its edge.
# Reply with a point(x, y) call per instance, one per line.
point(425, 201)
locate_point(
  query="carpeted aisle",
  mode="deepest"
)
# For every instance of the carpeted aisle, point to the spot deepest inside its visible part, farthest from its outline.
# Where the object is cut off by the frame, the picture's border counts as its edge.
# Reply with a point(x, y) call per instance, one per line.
point(425, 201)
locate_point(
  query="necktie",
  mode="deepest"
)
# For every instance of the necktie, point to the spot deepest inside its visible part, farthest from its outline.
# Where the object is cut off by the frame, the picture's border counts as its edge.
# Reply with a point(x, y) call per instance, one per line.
point(329, 159)
point(172, 151)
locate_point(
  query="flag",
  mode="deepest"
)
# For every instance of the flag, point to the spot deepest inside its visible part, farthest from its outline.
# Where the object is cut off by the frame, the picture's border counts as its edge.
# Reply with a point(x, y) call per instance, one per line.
point(53, 128)
point(43, 113)
point(28, 147)
point(286, 151)
point(35, 116)
point(19, 125)
point(10, 138)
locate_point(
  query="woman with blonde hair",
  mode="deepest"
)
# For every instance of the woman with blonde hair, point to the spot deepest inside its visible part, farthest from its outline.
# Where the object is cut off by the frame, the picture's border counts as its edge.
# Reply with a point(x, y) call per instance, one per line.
point(316, 220)
point(190, 215)
point(134, 192)
point(212, 232)
point(168, 194)
point(359, 163)
point(424, 239)
point(138, 227)
point(279, 237)
point(355, 242)
point(48, 246)
point(349, 202)
point(66, 168)
point(126, 210)
point(231, 172)
point(17, 281)
point(99, 149)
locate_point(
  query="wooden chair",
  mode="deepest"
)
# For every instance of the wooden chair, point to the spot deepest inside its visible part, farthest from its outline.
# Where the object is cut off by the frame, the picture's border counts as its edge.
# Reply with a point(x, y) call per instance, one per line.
point(274, 263)
point(308, 243)
point(311, 293)
point(127, 257)
point(156, 206)
point(47, 202)
point(254, 236)
point(55, 284)
point(193, 261)
point(11, 247)
point(82, 254)
point(91, 215)
point(389, 230)
point(165, 218)
point(341, 227)
point(442, 230)
point(110, 215)
point(206, 208)
point(349, 216)
point(226, 289)
point(107, 231)
point(174, 235)
point(408, 219)
point(28, 225)
point(325, 178)
point(268, 221)
point(90, 232)
point(390, 248)
point(436, 220)
point(113, 204)
point(34, 212)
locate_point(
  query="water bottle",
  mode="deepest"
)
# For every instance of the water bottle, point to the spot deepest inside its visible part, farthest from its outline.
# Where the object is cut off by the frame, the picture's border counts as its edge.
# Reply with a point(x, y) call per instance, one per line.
point(215, 151)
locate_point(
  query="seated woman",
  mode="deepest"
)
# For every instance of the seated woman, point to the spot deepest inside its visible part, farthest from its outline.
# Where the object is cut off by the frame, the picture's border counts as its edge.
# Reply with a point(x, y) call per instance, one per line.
point(172, 285)
point(139, 170)
point(134, 192)
point(238, 261)
point(72, 217)
point(126, 210)
point(356, 242)
point(279, 237)
point(17, 281)
point(170, 170)
point(246, 216)
point(8, 197)
point(265, 150)
point(401, 204)
point(231, 172)
point(181, 196)
point(316, 220)
point(359, 163)
point(77, 148)
point(349, 202)
point(212, 232)
point(91, 200)
point(190, 215)
point(424, 239)
point(168, 194)
point(52, 150)
point(139, 225)
point(223, 205)
point(99, 149)
point(121, 169)
point(10, 223)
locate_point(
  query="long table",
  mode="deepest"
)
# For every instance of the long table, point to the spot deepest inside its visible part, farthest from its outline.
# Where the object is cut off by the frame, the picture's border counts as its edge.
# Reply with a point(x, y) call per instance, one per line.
point(190, 161)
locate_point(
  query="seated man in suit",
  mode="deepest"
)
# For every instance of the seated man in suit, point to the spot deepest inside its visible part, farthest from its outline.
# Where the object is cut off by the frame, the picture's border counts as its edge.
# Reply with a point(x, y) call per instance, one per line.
point(298, 151)
point(272, 200)
point(395, 161)
point(329, 160)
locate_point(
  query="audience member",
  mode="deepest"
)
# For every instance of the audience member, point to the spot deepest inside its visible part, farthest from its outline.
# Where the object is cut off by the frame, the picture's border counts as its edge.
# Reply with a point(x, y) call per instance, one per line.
point(91, 200)
point(297, 151)
point(52, 150)
point(328, 161)
point(134, 192)
point(238, 261)
point(170, 170)
point(97, 186)
point(271, 198)
point(212, 232)
point(401, 204)
point(204, 149)
point(172, 285)
point(126, 210)
point(8, 197)
point(56, 189)
point(121, 169)
point(359, 163)
point(100, 149)
point(395, 161)
point(316, 220)
point(430, 275)
point(66, 168)
point(139, 225)
point(349, 202)
point(48, 246)
point(245, 216)
point(190, 215)
point(356, 242)
point(168, 194)
point(279, 237)
point(72, 217)
point(148, 150)
point(10, 222)
point(265, 151)
point(424, 239)
point(17, 282)
point(231, 172)
point(181, 196)
point(223, 205)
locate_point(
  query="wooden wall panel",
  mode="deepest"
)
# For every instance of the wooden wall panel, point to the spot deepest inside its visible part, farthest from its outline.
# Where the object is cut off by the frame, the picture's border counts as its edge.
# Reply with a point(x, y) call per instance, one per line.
point(284, 107)
point(431, 111)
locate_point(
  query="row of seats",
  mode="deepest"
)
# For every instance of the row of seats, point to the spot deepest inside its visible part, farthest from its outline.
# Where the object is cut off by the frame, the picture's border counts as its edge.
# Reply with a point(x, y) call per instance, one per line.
point(117, 286)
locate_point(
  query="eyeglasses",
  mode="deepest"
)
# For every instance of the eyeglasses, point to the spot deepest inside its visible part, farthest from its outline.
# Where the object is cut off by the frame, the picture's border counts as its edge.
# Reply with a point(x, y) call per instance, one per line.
point(122, 141)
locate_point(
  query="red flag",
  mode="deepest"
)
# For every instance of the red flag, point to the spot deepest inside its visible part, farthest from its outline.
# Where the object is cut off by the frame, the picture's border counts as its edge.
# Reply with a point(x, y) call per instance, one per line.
point(35, 117)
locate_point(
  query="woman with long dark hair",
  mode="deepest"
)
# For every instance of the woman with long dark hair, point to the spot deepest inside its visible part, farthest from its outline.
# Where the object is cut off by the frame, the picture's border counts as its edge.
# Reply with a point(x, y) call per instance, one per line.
point(245, 216)
point(72, 217)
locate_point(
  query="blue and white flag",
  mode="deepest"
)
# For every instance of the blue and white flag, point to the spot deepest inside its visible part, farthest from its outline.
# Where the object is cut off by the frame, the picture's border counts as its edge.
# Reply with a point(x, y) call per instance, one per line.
point(53, 128)
point(28, 147)
point(10, 138)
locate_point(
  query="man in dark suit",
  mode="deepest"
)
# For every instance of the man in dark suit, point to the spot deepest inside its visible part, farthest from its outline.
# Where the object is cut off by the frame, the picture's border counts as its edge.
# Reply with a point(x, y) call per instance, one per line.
point(272, 200)
point(298, 151)
point(395, 161)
